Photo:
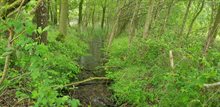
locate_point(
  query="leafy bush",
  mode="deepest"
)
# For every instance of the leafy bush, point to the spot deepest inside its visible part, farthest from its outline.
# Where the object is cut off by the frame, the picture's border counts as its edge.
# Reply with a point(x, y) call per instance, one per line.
point(41, 70)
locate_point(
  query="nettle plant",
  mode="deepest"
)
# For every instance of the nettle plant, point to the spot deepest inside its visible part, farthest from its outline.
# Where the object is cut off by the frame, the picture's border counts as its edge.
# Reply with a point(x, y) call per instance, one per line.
point(37, 71)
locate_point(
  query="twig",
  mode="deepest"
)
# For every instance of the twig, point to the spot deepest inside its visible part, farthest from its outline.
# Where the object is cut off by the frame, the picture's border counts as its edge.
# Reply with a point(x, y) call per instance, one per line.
point(4, 23)
point(7, 57)
point(22, 75)
point(212, 85)
point(17, 10)
point(3, 93)
point(17, 35)
point(18, 102)
point(11, 5)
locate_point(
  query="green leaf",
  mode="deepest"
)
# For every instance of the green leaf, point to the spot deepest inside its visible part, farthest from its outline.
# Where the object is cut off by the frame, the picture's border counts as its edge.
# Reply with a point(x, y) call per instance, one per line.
point(35, 74)
point(34, 94)
point(74, 103)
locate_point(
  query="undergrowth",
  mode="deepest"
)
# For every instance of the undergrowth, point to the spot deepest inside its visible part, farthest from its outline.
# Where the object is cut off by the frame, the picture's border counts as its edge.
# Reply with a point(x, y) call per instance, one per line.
point(39, 71)
point(143, 76)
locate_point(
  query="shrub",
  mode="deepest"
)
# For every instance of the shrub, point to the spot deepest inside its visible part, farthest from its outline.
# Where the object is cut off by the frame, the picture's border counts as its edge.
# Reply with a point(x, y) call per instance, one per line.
point(39, 71)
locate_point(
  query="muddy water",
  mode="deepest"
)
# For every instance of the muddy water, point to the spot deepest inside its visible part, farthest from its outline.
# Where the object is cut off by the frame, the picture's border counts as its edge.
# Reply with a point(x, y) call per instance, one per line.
point(93, 93)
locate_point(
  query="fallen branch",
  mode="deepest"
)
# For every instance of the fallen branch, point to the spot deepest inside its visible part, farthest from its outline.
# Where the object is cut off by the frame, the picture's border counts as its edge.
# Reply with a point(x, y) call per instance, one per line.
point(86, 80)
point(80, 82)
point(7, 57)
point(212, 85)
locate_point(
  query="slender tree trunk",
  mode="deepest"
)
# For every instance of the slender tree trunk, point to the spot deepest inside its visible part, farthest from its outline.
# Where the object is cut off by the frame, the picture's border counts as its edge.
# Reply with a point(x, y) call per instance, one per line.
point(103, 17)
point(80, 13)
point(86, 16)
point(194, 19)
point(158, 8)
point(50, 9)
point(212, 33)
point(163, 28)
point(103, 14)
point(185, 18)
point(115, 26)
point(148, 19)
point(55, 13)
point(93, 16)
point(63, 18)
point(132, 24)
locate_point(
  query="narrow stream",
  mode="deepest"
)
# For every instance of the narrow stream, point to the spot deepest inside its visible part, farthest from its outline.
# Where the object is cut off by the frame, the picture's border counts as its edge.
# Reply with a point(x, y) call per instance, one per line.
point(94, 93)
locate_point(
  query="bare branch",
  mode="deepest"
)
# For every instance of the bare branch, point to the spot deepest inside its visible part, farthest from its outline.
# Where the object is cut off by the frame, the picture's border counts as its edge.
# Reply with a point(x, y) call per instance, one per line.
point(7, 59)
point(212, 85)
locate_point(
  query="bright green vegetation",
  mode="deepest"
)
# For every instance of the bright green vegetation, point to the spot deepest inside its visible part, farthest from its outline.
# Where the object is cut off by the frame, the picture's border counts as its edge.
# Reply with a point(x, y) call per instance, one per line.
point(162, 53)
point(38, 69)
point(143, 75)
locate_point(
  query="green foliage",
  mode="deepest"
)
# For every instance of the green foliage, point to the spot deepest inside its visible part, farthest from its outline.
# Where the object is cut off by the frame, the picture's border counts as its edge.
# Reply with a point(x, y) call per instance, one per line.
point(143, 76)
point(40, 68)
point(141, 70)
point(2, 48)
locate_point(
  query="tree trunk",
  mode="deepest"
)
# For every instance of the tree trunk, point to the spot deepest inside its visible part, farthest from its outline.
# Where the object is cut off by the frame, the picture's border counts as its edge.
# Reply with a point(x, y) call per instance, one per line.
point(80, 13)
point(132, 22)
point(115, 25)
point(185, 18)
point(93, 16)
point(163, 28)
point(50, 10)
point(41, 16)
point(212, 33)
point(148, 19)
point(63, 18)
point(55, 13)
point(194, 19)
point(103, 14)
